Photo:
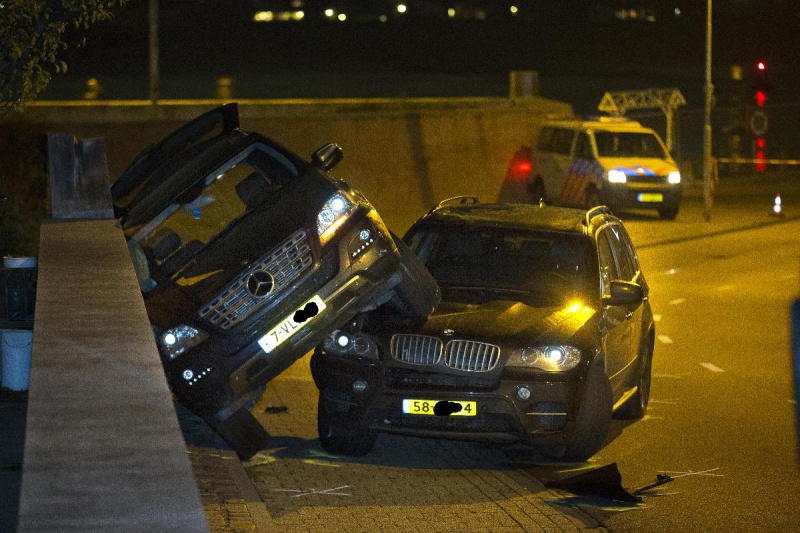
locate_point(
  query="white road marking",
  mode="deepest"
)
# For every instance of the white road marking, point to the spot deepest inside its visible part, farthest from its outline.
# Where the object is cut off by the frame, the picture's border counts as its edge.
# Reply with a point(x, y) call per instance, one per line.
point(692, 473)
point(657, 318)
point(664, 339)
point(671, 271)
point(677, 301)
point(666, 376)
point(793, 402)
point(667, 402)
point(723, 288)
point(332, 492)
point(711, 367)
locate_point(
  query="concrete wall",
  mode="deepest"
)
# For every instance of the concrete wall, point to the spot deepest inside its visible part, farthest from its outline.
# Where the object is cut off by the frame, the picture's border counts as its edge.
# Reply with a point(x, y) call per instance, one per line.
point(404, 155)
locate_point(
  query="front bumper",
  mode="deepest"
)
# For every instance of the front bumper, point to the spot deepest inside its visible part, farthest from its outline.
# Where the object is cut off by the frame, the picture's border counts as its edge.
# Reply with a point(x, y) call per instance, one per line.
point(546, 418)
point(640, 195)
point(222, 382)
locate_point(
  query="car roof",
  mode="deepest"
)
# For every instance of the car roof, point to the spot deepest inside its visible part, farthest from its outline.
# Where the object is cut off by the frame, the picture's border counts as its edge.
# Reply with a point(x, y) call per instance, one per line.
point(599, 125)
point(522, 216)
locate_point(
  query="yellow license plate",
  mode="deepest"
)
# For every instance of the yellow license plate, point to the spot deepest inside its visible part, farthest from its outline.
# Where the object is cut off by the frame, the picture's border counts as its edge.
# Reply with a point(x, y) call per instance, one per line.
point(651, 197)
point(292, 324)
point(439, 407)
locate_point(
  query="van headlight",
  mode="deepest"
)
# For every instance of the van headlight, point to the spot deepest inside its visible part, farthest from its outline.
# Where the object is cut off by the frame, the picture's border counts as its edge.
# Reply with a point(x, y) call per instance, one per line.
point(555, 358)
point(344, 343)
point(333, 214)
point(674, 177)
point(617, 176)
point(177, 340)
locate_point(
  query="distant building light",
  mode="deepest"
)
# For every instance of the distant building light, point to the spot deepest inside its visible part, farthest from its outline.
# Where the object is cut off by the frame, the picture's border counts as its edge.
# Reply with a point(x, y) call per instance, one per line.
point(677, 12)
point(451, 13)
point(514, 10)
point(298, 15)
point(297, 4)
point(329, 13)
point(342, 17)
point(401, 8)
point(285, 15)
point(264, 16)
point(383, 18)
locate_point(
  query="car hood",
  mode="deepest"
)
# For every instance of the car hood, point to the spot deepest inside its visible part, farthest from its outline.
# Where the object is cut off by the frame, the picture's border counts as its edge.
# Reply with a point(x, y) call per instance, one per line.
point(504, 322)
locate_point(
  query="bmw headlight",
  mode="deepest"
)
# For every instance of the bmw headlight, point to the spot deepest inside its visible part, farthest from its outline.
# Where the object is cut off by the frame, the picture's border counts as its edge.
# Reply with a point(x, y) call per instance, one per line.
point(674, 177)
point(617, 176)
point(556, 358)
point(333, 214)
point(344, 343)
point(177, 340)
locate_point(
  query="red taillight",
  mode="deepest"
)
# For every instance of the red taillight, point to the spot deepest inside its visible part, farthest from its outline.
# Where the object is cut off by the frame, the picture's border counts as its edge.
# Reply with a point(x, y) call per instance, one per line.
point(523, 167)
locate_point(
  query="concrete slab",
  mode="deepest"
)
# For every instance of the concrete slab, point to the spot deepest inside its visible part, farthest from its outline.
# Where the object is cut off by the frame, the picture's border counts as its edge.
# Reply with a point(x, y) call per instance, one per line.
point(103, 449)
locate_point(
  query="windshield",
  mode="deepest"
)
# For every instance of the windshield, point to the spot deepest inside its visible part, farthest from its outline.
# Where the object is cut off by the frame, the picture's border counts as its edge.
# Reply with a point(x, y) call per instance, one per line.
point(206, 210)
point(522, 265)
point(627, 144)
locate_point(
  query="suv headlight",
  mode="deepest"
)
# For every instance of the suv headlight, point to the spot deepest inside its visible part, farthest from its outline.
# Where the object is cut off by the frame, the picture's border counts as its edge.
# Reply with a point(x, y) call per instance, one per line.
point(177, 340)
point(617, 176)
point(333, 214)
point(674, 177)
point(344, 343)
point(555, 358)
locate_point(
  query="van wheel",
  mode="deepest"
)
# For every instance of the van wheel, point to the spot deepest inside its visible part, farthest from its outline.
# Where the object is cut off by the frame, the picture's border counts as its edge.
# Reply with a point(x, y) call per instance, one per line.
point(592, 198)
point(417, 293)
point(538, 192)
point(668, 213)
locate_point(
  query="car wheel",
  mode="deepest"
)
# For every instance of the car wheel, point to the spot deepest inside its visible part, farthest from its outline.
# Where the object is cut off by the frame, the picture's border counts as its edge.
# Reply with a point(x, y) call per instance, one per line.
point(341, 438)
point(538, 192)
point(668, 213)
point(593, 420)
point(592, 198)
point(636, 406)
point(417, 293)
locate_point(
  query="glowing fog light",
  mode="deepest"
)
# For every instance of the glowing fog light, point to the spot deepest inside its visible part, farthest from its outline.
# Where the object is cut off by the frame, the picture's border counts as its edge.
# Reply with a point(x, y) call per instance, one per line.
point(359, 386)
point(523, 393)
point(674, 177)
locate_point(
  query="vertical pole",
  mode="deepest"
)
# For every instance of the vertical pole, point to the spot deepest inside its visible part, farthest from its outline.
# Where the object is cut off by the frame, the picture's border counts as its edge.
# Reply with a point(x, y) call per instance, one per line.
point(796, 352)
point(668, 112)
point(153, 28)
point(709, 90)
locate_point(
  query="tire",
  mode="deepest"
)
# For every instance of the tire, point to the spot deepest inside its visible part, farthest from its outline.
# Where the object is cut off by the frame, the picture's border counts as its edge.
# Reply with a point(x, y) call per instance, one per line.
point(342, 438)
point(592, 198)
point(538, 192)
point(636, 406)
point(593, 420)
point(417, 293)
point(668, 213)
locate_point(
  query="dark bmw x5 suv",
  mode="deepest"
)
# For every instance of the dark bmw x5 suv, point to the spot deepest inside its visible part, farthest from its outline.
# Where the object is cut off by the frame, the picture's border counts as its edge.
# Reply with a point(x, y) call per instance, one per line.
point(247, 257)
point(543, 331)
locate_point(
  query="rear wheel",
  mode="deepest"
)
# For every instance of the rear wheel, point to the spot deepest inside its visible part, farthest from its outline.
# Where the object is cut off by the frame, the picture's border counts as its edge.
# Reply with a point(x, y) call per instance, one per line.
point(636, 406)
point(338, 436)
point(593, 420)
point(417, 293)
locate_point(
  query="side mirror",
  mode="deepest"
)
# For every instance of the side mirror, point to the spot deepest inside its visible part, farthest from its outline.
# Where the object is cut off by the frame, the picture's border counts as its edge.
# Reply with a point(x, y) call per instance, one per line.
point(327, 156)
point(624, 293)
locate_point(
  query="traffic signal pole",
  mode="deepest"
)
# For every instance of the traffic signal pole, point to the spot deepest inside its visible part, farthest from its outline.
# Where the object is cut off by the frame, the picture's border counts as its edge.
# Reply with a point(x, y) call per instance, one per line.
point(708, 186)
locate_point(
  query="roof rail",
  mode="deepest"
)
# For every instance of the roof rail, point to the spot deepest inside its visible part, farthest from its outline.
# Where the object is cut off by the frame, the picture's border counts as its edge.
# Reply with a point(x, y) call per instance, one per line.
point(453, 200)
point(594, 211)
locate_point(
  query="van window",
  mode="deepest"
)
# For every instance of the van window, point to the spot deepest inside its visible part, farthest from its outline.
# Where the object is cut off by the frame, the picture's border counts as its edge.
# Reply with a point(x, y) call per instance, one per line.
point(628, 144)
point(583, 149)
point(556, 140)
point(545, 142)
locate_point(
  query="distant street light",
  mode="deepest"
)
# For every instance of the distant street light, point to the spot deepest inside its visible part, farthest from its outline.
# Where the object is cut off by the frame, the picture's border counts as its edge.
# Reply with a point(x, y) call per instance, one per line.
point(401, 8)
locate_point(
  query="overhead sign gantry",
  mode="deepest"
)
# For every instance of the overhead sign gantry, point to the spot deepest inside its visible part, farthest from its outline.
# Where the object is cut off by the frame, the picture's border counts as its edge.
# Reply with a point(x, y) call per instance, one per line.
point(668, 100)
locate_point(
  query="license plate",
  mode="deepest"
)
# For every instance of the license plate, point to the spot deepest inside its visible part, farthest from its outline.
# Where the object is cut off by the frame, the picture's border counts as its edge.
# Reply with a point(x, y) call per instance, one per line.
point(439, 407)
point(650, 197)
point(289, 326)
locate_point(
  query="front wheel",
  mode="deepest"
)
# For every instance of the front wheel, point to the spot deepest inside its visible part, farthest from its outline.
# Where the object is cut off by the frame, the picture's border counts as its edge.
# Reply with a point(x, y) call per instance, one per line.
point(340, 438)
point(636, 406)
point(668, 213)
point(593, 420)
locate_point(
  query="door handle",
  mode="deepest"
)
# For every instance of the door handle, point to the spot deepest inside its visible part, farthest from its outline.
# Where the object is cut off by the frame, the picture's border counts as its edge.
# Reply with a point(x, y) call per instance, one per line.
point(629, 315)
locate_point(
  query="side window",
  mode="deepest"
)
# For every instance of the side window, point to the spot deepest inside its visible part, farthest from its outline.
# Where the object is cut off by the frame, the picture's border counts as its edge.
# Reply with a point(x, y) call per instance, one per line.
point(545, 141)
point(622, 252)
point(562, 141)
point(583, 148)
point(608, 267)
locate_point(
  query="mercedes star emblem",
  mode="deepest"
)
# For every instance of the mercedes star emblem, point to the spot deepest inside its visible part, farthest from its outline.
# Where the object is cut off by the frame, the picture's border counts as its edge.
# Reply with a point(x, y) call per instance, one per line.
point(260, 283)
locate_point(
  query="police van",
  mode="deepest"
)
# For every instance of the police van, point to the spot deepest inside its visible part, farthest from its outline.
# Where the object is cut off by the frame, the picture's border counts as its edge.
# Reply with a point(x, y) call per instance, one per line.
point(618, 163)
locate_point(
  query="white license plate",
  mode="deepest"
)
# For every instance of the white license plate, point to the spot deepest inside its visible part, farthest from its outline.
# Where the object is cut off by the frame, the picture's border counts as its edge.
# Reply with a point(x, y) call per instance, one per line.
point(289, 326)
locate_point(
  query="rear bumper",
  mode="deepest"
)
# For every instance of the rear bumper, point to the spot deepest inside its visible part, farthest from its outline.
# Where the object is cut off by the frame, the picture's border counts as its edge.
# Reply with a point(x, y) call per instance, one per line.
point(637, 195)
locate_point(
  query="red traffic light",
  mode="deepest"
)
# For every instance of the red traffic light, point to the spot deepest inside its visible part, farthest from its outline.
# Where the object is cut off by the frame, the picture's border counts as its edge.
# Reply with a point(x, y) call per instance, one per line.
point(761, 66)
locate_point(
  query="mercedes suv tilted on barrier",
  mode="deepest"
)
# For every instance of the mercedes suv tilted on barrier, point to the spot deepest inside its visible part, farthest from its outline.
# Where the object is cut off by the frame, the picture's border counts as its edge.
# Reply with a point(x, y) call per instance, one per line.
point(247, 257)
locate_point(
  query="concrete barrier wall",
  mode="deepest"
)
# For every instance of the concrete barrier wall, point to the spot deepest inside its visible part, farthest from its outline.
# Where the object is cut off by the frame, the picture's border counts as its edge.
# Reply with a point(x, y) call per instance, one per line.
point(404, 155)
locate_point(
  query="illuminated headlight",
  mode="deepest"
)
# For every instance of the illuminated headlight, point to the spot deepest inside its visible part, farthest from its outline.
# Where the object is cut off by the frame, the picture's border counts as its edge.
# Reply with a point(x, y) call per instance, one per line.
point(177, 340)
point(617, 176)
point(674, 177)
point(332, 215)
point(347, 344)
point(547, 358)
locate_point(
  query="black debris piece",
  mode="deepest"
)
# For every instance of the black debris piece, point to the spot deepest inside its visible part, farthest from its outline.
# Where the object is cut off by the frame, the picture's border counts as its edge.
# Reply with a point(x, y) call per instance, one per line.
point(605, 481)
point(276, 409)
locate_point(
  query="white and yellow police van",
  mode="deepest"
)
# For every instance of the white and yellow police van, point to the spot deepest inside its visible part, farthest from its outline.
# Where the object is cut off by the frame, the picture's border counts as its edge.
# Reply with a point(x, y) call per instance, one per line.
point(618, 163)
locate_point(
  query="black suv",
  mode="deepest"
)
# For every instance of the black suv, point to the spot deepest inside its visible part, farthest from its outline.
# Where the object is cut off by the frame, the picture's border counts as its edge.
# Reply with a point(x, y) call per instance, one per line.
point(247, 257)
point(543, 331)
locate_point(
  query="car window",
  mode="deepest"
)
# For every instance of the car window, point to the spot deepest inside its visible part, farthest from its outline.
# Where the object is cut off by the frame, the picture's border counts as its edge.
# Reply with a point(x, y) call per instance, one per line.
point(545, 141)
point(628, 144)
point(583, 147)
point(562, 141)
point(533, 265)
point(208, 208)
point(622, 253)
point(605, 257)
